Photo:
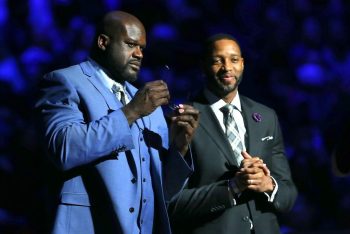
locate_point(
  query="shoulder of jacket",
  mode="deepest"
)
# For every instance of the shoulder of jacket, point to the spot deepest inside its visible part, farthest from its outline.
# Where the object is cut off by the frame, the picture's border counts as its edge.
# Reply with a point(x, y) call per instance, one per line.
point(252, 103)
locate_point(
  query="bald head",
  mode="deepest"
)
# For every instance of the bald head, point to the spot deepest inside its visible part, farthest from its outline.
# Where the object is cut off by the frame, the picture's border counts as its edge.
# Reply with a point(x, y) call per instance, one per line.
point(119, 40)
point(114, 22)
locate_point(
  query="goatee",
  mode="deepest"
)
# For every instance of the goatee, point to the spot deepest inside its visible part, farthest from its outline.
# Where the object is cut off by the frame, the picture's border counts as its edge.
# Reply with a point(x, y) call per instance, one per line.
point(222, 89)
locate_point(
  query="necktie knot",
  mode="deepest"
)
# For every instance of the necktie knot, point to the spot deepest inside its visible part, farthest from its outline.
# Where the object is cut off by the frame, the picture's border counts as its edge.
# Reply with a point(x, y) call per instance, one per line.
point(227, 109)
point(118, 90)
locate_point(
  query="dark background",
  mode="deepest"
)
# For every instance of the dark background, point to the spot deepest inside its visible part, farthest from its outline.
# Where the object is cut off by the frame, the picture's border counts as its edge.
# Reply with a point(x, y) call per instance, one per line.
point(297, 61)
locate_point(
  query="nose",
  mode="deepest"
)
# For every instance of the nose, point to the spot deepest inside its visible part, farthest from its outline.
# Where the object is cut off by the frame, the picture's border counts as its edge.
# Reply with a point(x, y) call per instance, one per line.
point(138, 52)
point(227, 65)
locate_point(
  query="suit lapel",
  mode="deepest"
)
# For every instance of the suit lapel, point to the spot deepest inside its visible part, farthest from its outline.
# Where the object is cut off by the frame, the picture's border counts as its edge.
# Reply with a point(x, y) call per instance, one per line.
point(90, 72)
point(251, 138)
point(211, 125)
point(112, 102)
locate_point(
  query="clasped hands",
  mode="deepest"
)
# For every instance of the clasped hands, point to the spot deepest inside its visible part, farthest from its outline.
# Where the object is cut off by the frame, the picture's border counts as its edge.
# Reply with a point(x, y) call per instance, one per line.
point(184, 121)
point(253, 174)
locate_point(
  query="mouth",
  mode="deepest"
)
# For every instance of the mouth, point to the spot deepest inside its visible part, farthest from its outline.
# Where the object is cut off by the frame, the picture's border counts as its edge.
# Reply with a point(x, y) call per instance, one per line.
point(135, 65)
point(228, 79)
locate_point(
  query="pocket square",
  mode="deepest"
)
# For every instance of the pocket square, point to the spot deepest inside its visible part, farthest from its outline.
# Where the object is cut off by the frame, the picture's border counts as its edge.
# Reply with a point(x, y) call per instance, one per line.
point(267, 138)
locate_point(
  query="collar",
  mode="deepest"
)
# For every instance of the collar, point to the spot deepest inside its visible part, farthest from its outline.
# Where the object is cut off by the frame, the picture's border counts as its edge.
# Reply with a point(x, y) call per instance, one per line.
point(107, 81)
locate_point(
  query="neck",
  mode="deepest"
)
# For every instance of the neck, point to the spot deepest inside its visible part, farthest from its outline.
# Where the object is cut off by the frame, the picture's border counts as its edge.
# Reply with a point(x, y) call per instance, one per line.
point(103, 65)
point(226, 93)
point(230, 96)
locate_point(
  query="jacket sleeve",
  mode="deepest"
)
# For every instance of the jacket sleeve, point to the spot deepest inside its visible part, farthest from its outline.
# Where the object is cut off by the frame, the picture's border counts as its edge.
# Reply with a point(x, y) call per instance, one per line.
point(280, 170)
point(194, 204)
point(73, 140)
point(176, 171)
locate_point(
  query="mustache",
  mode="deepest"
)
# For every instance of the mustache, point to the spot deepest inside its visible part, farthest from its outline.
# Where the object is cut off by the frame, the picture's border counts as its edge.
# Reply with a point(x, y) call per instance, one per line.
point(223, 74)
point(137, 62)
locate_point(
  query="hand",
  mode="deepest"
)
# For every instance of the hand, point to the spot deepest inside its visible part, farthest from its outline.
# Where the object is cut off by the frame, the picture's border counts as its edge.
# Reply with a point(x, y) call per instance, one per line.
point(146, 100)
point(249, 160)
point(254, 175)
point(182, 127)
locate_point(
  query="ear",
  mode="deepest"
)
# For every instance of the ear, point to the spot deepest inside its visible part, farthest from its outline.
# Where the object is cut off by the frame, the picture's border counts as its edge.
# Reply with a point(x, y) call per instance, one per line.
point(242, 63)
point(102, 41)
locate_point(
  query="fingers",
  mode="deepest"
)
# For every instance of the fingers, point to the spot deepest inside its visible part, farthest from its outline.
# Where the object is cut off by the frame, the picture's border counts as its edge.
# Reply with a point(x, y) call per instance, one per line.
point(156, 86)
point(246, 155)
point(188, 110)
point(146, 100)
point(246, 181)
point(156, 83)
point(151, 96)
point(253, 174)
point(266, 170)
point(185, 121)
point(256, 182)
point(255, 167)
point(157, 93)
point(183, 125)
point(262, 184)
point(251, 170)
point(253, 162)
point(186, 115)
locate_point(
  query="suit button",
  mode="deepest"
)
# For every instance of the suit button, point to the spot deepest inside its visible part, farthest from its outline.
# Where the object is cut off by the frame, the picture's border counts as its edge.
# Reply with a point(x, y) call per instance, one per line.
point(143, 159)
point(144, 180)
point(144, 200)
point(131, 209)
point(245, 218)
point(133, 180)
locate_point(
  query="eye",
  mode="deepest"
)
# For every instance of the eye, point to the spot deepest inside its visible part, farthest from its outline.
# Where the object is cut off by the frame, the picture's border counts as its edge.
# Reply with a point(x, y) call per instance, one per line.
point(216, 61)
point(235, 60)
point(131, 45)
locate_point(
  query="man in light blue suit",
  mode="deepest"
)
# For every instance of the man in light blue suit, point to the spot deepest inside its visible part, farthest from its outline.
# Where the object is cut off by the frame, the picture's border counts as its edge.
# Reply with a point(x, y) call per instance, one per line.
point(120, 168)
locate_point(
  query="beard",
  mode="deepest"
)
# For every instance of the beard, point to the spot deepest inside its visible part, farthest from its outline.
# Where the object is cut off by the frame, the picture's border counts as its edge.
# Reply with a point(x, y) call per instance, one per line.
point(129, 75)
point(126, 73)
point(223, 89)
point(121, 69)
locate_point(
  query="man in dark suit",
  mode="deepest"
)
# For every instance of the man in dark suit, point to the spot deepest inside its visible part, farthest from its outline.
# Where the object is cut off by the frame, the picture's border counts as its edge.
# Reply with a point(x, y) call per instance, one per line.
point(110, 140)
point(242, 177)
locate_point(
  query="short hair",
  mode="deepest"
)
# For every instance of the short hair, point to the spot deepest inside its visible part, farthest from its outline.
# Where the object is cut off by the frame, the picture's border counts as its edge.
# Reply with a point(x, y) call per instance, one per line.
point(207, 46)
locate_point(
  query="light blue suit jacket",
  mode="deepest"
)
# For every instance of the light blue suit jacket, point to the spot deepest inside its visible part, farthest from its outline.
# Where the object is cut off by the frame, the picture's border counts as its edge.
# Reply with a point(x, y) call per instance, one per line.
point(89, 140)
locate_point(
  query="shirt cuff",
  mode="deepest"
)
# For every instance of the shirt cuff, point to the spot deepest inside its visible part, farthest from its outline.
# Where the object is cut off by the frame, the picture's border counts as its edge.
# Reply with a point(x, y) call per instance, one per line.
point(271, 196)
